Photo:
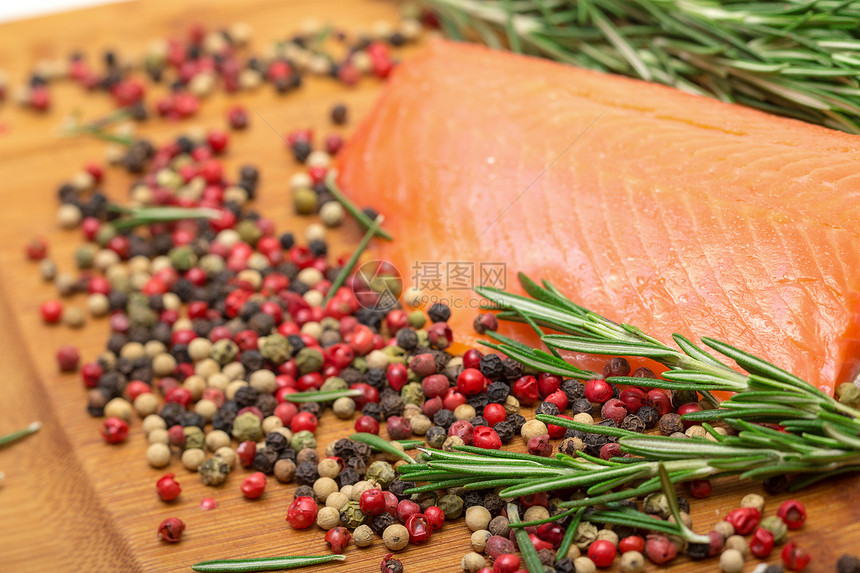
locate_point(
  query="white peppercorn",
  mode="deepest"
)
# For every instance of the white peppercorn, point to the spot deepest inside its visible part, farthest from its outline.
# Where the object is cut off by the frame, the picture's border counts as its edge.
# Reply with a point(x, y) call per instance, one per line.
point(263, 381)
point(607, 535)
point(420, 424)
point(146, 404)
point(533, 429)
point(158, 455)
point(337, 500)
point(193, 458)
point(206, 408)
point(632, 562)
point(362, 536)
point(395, 537)
point(753, 500)
point(479, 540)
point(584, 565)
point(583, 418)
point(738, 543)
point(217, 439)
point(328, 518)
point(725, 529)
point(473, 562)
point(158, 436)
point(535, 513)
point(464, 412)
point(328, 468)
point(731, 561)
point(196, 385)
point(324, 487)
point(163, 365)
point(478, 518)
point(272, 423)
point(344, 407)
point(227, 454)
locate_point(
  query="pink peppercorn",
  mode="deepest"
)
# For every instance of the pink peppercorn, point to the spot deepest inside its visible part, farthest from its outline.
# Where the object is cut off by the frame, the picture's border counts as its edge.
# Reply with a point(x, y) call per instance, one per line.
point(68, 358)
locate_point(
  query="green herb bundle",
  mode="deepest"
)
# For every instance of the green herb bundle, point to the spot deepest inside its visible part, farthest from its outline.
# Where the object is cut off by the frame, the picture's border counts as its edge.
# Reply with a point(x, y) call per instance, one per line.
point(796, 58)
point(782, 425)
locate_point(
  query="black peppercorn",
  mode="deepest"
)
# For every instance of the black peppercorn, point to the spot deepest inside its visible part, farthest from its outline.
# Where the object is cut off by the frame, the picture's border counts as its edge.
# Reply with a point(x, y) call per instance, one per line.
point(477, 401)
point(381, 521)
point(301, 148)
point(351, 375)
point(338, 114)
point(505, 430)
point(573, 389)
point(848, 564)
point(444, 418)
point(547, 408)
point(582, 406)
point(497, 392)
point(777, 568)
point(565, 566)
point(492, 367)
point(609, 423)
point(391, 405)
point(436, 436)
point(311, 407)
point(633, 423)
point(287, 454)
point(223, 421)
point(376, 378)
point(373, 410)
point(593, 443)
point(306, 473)
point(512, 369)
point(439, 312)
point(261, 323)
point(192, 419)
point(493, 503)
point(96, 400)
point(252, 360)
point(348, 476)
point(649, 416)
point(264, 460)
point(305, 491)
point(172, 413)
point(276, 441)
point(358, 464)
point(407, 339)
point(776, 485)
point(398, 487)
point(670, 423)
point(571, 433)
point(246, 396)
point(472, 498)
point(684, 504)
point(478, 421)
point(516, 420)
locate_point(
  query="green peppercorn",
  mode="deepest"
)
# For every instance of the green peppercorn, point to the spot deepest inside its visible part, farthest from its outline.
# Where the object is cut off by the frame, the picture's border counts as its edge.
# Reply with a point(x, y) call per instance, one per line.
point(585, 534)
point(382, 472)
point(334, 384)
point(776, 526)
point(195, 439)
point(224, 351)
point(451, 506)
point(182, 258)
point(426, 499)
point(214, 471)
point(360, 364)
point(275, 348)
point(304, 201)
point(412, 393)
point(249, 231)
point(395, 354)
point(351, 516)
point(104, 234)
point(142, 316)
point(248, 426)
point(657, 504)
point(309, 360)
point(423, 339)
point(84, 256)
point(302, 440)
point(416, 319)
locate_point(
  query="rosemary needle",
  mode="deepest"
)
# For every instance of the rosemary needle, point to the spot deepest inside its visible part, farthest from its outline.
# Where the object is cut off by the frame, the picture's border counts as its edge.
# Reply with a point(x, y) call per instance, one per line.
point(263, 563)
point(347, 268)
point(8, 439)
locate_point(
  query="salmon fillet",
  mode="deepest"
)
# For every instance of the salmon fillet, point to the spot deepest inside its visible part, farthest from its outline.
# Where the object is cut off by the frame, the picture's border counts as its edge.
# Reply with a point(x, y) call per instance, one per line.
point(672, 212)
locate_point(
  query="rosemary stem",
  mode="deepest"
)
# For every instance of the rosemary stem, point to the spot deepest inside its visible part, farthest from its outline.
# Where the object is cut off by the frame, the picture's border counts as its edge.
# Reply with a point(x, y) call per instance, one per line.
point(9, 439)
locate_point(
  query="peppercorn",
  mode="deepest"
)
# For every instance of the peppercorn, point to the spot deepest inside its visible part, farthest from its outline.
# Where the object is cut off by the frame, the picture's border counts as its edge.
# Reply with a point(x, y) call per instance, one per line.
point(192, 459)
point(775, 485)
point(264, 460)
point(670, 423)
point(302, 440)
point(395, 537)
point(848, 564)
point(731, 561)
point(170, 530)
point(381, 472)
point(214, 471)
point(351, 515)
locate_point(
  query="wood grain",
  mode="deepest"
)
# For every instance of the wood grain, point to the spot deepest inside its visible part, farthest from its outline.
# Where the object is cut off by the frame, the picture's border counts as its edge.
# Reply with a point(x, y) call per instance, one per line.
point(72, 503)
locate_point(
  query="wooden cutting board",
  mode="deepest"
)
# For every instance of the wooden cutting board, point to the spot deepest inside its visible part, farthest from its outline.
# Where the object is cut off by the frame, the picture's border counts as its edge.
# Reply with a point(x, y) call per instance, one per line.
point(71, 502)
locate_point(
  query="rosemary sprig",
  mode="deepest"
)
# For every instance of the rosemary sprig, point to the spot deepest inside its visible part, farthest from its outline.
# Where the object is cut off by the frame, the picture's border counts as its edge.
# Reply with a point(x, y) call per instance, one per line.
point(798, 59)
point(353, 259)
point(382, 445)
point(263, 563)
point(136, 216)
point(321, 396)
point(364, 220)
point(13, 437)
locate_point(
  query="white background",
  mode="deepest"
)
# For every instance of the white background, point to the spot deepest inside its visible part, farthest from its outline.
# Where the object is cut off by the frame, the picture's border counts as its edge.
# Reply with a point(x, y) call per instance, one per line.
point(18, 9)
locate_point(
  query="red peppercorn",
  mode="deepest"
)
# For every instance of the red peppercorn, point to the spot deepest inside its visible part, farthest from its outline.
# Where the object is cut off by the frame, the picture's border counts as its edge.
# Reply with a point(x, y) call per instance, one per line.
point(435, 517)
point(419, 529)
point(372, 502)
point(471, 381)
point(660, 400)
point(246, 452)
point(632, 543)
point(302, 513)
point(558, 398)
point(217, 140)
point(472, 358)
point(435, 385)
point(304, 421)
point(494, 413)
point(115, 431)
point(538, 542)
point(398, 428)
point(91, 372)
point(237, 117)
point(36, 249)
point(486, 438)
point(333, 143)
point(551, 533)
point(452, 399)
point(525, 389)
point(540, 498)
point(52, 311)
point(68, 358)
point(338, 538)
point(548, 383)
point(602, 552)
point(179, 396)
point(598, 391)
point(660, 549)
point(506, 563)
point(614, 410)
point(462, 429)
point(610, 450)
point(168, 488)
point(423, 364)
point(700, 488)
point(689, 408)
point(540, 446)
point(368, 394)
point(397, 375)
point(744, 519)
point(170, 530)
point(254, 485)
point(633, 399)
point(792, 513)
point(367, 424)
point(406, 509)
point(557, 431)
point(137, 387)
point(761, 544)
point(794, 557)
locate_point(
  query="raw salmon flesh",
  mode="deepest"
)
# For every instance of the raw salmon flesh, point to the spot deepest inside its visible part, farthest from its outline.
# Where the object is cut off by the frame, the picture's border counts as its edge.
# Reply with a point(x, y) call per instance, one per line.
point(672, 212)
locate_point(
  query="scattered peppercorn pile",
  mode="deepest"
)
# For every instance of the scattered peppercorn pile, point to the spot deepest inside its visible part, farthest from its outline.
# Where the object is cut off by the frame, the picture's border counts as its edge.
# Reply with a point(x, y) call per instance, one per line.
point(228, 344)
